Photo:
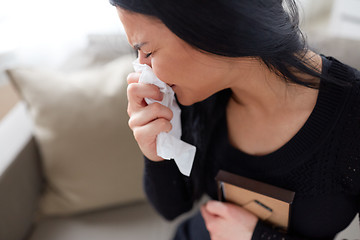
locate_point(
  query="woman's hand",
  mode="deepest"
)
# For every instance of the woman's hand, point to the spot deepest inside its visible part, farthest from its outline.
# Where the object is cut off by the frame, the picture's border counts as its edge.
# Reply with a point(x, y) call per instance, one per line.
point(146, 121)
point(226, 221)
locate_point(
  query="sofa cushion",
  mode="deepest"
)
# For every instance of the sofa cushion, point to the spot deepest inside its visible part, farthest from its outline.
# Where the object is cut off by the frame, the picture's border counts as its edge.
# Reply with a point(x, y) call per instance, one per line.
point(89, 156)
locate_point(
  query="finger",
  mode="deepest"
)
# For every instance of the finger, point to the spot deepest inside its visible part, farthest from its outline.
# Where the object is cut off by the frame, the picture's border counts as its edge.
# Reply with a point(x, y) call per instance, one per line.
point(136, 93)
point(133, 77)
point(206, 215)
point(146, 135)
point(149, 114)
point(210, 219)
point(217, 208)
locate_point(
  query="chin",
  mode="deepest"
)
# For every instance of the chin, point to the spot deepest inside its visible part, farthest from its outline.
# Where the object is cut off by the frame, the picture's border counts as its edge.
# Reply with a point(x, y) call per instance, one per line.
point(190, 97)
point(184, 102)
point(187, 101)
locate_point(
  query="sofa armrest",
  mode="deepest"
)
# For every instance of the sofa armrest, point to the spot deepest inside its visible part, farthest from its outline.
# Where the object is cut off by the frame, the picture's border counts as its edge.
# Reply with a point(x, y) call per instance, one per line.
point(20, 175)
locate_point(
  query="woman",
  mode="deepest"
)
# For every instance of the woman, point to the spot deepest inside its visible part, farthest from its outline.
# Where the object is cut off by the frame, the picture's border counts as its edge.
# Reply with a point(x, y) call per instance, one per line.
point(255, 102)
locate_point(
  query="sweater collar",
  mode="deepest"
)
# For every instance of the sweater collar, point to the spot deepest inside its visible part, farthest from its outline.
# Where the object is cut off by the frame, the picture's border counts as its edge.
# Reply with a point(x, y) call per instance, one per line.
point(330, 103)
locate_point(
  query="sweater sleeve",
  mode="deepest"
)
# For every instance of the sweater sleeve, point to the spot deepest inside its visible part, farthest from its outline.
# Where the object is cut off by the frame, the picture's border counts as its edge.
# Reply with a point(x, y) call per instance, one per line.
point(166, 188)
point(264, 231)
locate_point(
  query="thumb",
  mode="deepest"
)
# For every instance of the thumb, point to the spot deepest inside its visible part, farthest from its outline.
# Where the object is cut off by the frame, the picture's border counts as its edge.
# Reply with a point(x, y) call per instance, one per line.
point(216, 207)
point(133, 77)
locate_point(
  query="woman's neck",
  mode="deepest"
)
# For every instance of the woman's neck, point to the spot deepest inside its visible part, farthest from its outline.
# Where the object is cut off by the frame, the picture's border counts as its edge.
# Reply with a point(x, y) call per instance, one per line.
point(262, 90)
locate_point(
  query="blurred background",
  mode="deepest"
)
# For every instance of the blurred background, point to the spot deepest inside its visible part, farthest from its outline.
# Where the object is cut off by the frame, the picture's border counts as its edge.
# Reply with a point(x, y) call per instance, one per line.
point(45, 33)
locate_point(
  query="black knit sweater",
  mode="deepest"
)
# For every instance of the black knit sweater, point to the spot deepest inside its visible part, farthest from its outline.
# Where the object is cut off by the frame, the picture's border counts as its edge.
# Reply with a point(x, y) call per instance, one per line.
point(321, 163)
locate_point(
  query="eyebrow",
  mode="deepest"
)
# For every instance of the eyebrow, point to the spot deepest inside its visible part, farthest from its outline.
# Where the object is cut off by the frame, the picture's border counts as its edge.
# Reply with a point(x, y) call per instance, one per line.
point(138, 46)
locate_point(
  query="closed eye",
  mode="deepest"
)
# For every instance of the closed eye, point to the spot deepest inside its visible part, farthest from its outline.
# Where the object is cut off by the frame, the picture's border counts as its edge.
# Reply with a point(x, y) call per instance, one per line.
point(148, 55)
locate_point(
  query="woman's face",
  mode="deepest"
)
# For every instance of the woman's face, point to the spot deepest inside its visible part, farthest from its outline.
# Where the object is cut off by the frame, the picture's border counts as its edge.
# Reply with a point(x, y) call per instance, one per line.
point(193, 75)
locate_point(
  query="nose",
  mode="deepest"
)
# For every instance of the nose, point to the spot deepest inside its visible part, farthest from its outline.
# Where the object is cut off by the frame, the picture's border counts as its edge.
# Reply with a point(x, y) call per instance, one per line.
point(144, 60)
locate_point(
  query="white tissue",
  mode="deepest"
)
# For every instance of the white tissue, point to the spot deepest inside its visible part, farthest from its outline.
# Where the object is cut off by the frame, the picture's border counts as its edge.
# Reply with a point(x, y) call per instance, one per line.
point(168, 145)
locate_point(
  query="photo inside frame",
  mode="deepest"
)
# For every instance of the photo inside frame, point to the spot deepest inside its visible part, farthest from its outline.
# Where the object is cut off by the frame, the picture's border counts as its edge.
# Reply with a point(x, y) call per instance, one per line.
point(270, 203)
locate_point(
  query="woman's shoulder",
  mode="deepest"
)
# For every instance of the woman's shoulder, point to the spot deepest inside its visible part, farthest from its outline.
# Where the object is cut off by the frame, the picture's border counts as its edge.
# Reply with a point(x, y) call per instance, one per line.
point(343, 96)
point(343, 83)
point(341, 71)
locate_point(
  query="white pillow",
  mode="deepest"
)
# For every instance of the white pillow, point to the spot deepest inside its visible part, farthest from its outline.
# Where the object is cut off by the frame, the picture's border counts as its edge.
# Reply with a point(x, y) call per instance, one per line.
point(90, 158)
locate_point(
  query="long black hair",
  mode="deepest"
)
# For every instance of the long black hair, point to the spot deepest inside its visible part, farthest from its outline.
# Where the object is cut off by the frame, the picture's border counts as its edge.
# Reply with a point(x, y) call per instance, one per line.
point(265, 29)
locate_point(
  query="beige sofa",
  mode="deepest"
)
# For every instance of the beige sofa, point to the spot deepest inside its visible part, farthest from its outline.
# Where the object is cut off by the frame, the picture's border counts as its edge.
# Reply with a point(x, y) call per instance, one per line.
point(22, 183)
point(69, 166)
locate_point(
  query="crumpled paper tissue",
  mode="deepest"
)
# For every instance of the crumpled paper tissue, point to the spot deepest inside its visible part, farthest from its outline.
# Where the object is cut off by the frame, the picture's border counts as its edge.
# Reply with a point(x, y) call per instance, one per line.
point(168, 145)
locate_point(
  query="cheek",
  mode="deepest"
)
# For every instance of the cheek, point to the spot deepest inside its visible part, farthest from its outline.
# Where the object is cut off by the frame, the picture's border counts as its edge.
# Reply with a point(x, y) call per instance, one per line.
point(174, 66)
point(167, 71)
point(193, 81)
